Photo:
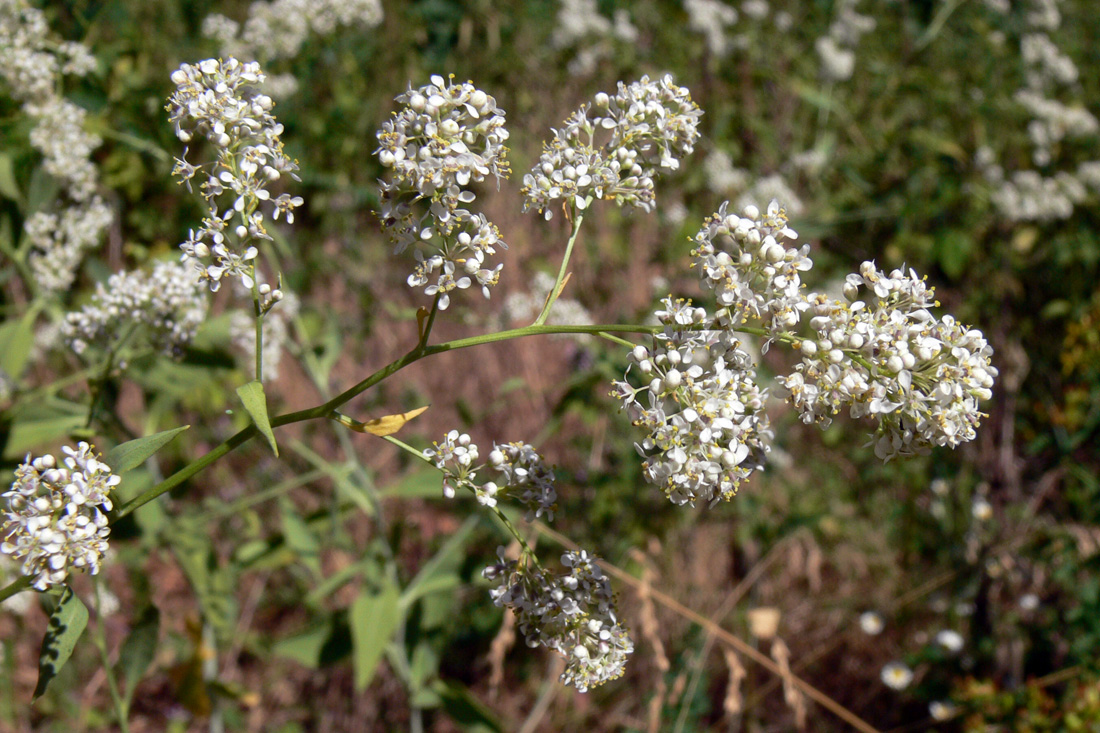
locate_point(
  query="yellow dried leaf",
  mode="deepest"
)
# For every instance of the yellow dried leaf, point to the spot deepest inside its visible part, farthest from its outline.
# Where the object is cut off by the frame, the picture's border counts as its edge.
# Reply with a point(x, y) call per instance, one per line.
point(389, 424)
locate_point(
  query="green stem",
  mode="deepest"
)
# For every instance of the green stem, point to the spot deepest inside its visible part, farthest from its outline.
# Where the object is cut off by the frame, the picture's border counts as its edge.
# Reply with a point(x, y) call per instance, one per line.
point(556, 290)
point(259, 315)
point(121, 708)
point(20, 584)
point(325, 410)
point(408, 449)
point(430, 322)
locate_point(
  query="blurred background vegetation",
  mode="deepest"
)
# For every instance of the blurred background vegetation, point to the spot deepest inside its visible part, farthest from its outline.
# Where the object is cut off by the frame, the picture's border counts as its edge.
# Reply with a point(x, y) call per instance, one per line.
point(908, 159)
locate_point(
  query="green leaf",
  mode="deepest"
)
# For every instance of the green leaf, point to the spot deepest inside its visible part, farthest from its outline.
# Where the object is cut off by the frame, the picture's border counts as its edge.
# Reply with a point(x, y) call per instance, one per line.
point(9, 188)
point(130, 455)
point(25, 435)
point(464, 708)
point(16, 340)
point(417, 484)
point(300, 538)
point(305, 648)
point(255, 402)
point(953, 250)
point(42, 191)
point(439, 573)
point(138, 650)
point(67, 623)
point(373, 619)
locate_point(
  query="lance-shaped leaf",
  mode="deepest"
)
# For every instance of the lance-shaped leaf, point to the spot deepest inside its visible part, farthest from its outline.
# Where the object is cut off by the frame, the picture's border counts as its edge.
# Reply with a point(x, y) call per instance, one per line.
point(373, 618)
point(67, 623)
point(255, 402)
point(132, 454)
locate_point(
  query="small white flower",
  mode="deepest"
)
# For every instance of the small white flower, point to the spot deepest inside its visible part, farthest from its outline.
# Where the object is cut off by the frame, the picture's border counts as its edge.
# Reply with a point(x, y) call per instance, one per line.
point(950, 640)
point(871, 622)
point(982, 510)
point(896, 676)
point(1029, 602)
point(942, 710)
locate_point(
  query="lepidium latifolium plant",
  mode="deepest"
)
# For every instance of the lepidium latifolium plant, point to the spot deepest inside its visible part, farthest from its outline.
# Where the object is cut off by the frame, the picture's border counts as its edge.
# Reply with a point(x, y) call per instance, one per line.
point(879, 352)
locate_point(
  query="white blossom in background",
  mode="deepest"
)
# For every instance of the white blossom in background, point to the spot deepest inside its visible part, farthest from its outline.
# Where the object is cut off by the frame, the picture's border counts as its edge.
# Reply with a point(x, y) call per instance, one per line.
point(521, 474)
point(580, 26)
point(836, 50)
point(166, 305)
point(941, 710)
point(754, 274)
point(981, 510)
point(770, 188)
point(723, 177)
point(920, 377)
point(1043, 14)
point(950, 640)
point(55, 521)
point(59, 240)
point(871, 622)
point(755, 9)
point(445, 137)
point(32, 65)
point(525, 307)
point(280, 28)
point(1029, 196)
point(217, 100)
point(699, 404)
point(573, 614)
point(897, 675)
point(615, 148)
point(711, 18)
point(276, 334)
point(1047, 65)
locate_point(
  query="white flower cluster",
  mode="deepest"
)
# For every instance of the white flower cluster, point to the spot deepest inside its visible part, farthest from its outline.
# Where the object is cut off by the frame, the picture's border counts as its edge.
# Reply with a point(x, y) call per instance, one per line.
point(166, 304)
point(279, 29)
point(1030, 196)
point(276, 332)
point(216, 99)
point(837, 49)
point(703, 411)
point(445, 137)
point(32, 65)
point(1047, 65)
point(711, 18)
point(889, 357)
point(652, 125)
point(55, 519)
point(58, 240)
point(522, 474)
point(754, 274)
point(724, 179)
point(580, 24)
point(1052, 122)
point(573, 614)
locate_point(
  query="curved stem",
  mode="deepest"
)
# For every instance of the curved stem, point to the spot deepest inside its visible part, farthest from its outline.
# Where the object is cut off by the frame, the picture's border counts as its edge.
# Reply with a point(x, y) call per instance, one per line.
point(19, 585)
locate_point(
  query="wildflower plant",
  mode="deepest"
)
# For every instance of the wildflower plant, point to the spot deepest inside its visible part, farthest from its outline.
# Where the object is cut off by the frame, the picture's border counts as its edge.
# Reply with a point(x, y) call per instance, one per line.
point(693, 385)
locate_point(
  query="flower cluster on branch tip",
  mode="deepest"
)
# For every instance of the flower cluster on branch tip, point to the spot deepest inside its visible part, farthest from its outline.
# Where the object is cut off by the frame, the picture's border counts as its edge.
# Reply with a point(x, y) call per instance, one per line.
point(55, 521)
point(615, 147)
point(445, 137)
point(217, 100)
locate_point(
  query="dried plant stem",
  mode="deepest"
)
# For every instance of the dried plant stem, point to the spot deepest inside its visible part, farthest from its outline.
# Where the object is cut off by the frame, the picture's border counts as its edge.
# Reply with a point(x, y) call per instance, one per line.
point(726, 637)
